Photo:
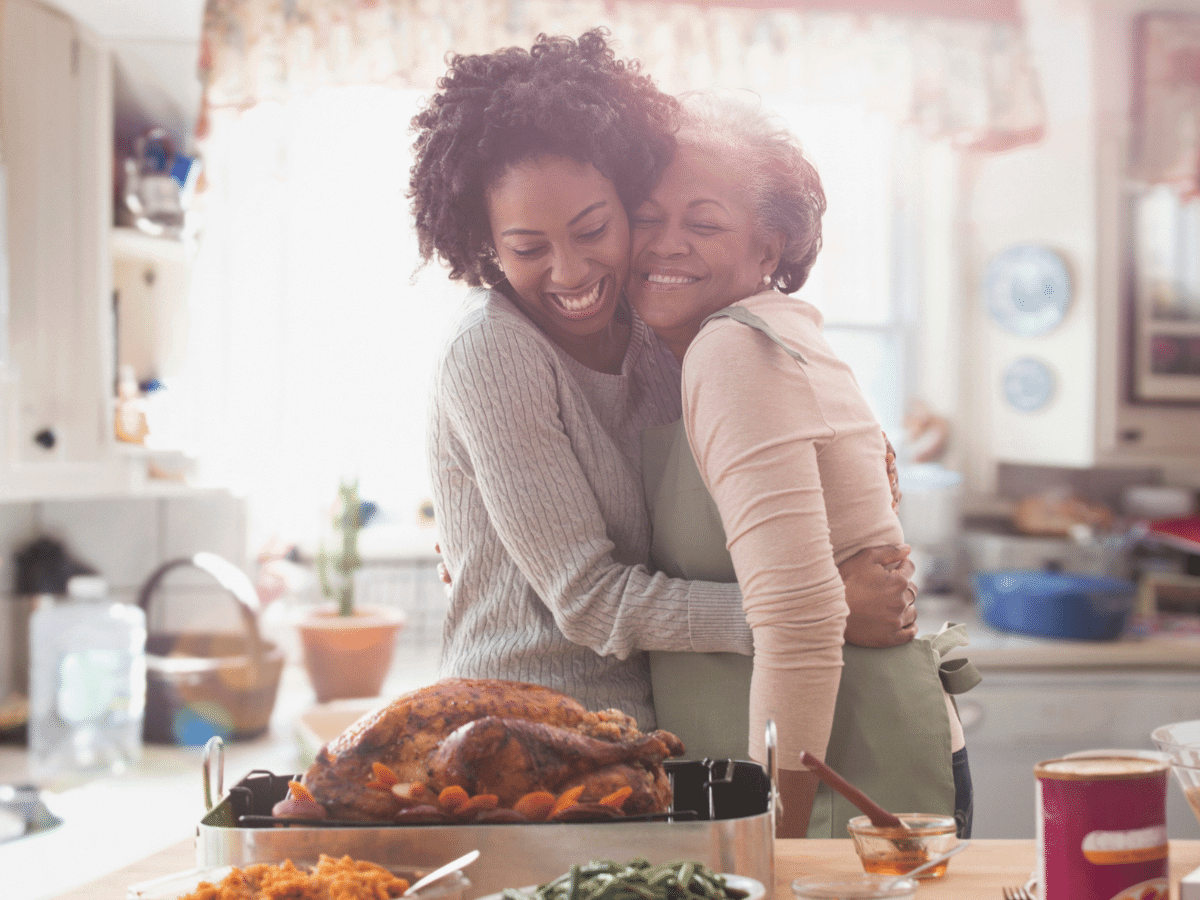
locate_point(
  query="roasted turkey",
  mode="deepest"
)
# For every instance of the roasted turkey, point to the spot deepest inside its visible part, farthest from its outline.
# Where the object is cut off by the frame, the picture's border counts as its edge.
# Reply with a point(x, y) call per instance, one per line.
point(505, 738)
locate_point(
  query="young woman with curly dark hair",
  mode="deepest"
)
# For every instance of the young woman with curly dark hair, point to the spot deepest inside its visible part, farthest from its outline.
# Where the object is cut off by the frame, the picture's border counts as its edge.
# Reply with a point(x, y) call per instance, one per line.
point(562, 98)
point(526, 165)
point(526, 161)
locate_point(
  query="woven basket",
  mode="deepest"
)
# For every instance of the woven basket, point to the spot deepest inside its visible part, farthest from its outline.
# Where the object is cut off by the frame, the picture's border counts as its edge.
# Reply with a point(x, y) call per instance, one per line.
point(202, 684)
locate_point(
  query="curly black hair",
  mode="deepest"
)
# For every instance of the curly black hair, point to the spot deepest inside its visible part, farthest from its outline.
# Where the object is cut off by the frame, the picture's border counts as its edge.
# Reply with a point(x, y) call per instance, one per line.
point(563, 97)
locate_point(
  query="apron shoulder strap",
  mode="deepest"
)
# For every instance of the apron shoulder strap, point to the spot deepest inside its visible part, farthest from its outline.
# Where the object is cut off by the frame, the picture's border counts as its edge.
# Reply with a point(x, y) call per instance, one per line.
point(746, 317)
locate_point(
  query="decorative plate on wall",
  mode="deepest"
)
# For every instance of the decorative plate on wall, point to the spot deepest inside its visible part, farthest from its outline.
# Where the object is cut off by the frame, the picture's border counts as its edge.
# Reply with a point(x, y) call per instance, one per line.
point(1027, 289)
point(1028, 384)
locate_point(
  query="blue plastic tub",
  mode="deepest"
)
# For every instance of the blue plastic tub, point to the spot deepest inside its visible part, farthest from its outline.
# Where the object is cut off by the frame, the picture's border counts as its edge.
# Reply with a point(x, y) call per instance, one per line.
point(1052, 604)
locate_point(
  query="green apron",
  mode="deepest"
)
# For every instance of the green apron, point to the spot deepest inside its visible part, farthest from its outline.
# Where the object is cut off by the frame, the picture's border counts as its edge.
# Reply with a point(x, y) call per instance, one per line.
point(891, 734)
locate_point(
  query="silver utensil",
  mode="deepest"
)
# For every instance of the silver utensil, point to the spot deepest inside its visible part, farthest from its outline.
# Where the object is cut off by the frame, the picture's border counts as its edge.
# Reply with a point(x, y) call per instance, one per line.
point(1017, 893)
point(929, 864)
point(441, 872)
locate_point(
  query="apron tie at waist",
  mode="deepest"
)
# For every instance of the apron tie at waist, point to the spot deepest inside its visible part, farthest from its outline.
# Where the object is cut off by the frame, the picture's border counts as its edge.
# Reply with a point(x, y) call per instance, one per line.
point(958, 675)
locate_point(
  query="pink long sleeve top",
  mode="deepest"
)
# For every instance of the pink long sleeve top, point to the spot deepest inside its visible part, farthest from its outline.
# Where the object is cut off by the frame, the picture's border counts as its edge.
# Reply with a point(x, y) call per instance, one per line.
point(793, 458)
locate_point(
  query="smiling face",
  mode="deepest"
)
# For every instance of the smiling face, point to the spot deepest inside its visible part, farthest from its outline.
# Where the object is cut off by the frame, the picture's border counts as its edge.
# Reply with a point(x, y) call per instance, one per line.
point(562, 238)
point(696, 247)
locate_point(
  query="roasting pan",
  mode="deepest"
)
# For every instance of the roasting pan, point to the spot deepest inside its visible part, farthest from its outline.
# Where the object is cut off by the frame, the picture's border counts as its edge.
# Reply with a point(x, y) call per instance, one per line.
point(722, 814)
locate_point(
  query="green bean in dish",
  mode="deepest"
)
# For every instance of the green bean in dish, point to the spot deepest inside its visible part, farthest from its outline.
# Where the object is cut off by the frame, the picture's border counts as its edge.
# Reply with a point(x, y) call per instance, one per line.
point(635, 880)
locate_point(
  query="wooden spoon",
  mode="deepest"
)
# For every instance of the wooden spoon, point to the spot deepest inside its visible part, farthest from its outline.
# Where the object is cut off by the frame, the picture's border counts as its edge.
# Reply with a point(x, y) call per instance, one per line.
point(879, 816)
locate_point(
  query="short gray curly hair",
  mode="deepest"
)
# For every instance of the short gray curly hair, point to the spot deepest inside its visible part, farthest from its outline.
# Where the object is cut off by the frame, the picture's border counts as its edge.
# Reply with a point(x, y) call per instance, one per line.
point(783, 184)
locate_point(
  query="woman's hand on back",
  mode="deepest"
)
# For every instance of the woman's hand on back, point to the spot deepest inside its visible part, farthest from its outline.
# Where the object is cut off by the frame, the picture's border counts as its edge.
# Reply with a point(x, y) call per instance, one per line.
point(881, 597)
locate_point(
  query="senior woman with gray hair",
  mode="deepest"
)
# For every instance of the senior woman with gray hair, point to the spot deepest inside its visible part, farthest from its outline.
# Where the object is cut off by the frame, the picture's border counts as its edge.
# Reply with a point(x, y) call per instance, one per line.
point(775, 482)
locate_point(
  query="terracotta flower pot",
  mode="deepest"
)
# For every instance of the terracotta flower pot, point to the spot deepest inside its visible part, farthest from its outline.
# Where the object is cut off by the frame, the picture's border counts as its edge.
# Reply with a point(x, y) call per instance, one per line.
point(348, 656)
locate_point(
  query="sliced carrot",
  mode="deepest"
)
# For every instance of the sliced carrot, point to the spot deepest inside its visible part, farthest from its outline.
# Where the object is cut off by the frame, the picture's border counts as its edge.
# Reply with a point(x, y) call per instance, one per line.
point(299, 791)
point(617, 798)
point(384, 774)
point(478, 803)
point(536, 805)
point(453, 797)
point(379, 785)
point(566, 798)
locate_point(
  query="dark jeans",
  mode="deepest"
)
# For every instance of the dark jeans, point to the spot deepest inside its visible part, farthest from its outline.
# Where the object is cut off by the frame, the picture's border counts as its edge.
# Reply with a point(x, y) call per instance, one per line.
point(964, 794)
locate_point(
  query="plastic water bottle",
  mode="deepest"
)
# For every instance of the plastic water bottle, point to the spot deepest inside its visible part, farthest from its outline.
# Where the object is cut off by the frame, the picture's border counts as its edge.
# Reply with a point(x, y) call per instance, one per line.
point(87, 682)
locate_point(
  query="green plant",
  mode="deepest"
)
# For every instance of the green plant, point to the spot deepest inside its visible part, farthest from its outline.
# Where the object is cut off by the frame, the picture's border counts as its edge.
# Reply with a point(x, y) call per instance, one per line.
point(336, 570)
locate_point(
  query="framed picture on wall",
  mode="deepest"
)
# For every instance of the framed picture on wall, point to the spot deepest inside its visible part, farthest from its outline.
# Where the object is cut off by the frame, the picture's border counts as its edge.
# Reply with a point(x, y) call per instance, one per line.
point(1165, 171)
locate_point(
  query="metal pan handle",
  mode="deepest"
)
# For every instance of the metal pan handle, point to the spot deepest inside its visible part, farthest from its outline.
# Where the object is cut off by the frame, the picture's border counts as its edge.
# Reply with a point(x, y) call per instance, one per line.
point(214, 745)
point(772, 744)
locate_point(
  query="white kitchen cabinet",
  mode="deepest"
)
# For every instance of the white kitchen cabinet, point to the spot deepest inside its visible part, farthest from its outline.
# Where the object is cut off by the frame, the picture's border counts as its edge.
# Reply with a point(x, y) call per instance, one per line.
point(1069, 192)
point(1128, 432)
point(150, 284)
point(57, 383)
point(1015, 719)
point(55, 140)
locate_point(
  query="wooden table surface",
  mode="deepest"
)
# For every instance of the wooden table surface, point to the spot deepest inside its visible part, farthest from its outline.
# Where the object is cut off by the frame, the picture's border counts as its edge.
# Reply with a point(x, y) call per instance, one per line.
point(978, 873)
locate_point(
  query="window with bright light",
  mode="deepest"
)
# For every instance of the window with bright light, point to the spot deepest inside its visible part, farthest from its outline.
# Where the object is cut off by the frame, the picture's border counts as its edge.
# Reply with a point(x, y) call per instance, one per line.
point(860, 278)
point(312, 341)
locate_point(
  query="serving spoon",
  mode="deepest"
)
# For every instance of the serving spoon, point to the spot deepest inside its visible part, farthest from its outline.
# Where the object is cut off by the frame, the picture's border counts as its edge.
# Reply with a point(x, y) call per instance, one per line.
point(442, 871)
point(926, 866)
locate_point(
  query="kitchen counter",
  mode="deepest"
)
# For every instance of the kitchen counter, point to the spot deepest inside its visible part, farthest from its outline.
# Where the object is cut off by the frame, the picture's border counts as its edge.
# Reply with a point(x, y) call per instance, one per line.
point(998, 651)
point(977, 874)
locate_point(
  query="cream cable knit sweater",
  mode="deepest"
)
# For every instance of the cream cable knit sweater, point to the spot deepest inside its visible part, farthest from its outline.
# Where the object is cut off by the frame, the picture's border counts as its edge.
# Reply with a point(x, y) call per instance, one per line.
point(536, 468)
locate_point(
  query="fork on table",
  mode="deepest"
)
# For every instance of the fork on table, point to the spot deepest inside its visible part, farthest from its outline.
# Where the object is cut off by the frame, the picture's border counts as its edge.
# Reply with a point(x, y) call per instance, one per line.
point(1017, 893)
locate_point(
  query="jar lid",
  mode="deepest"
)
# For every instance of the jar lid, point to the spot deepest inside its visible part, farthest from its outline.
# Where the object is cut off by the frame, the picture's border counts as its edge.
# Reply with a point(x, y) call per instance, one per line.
point(1098, 768)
